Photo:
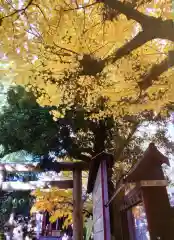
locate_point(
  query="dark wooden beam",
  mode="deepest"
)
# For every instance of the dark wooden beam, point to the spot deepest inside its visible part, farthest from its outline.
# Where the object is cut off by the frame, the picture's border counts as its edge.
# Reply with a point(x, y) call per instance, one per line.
point(70, 166)
point(55, 166)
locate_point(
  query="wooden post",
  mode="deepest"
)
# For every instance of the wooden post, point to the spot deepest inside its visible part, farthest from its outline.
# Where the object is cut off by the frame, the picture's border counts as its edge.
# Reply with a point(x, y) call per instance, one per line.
point(50, 229)
point(77, 205)
point(131, 224)
point(158, 212)
point(44, 223)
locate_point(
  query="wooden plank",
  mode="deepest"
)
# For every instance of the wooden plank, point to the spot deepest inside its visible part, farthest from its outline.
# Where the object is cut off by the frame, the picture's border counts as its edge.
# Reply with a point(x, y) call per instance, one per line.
point(101, 218)
point(56, 166)
point(121, 187)
point(18, 168)
point(70, 166)
point(153, 183)
point(32, 185)
point(77, 205)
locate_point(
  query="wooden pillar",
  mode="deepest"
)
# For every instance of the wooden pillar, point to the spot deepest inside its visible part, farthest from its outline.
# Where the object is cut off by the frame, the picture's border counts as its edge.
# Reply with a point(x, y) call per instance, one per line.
point(131, 224)
point(44, 223)
point(158, 212)
point(77, 205)
point(125, 225)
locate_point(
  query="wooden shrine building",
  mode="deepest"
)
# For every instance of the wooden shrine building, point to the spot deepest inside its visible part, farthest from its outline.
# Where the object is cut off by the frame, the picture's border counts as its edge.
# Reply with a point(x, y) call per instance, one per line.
point(116, 211)
point(143, 188)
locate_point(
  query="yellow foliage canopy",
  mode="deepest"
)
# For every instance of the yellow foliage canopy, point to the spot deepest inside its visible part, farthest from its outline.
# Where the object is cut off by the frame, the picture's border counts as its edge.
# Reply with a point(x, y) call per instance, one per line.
point(67, 51)
point(55, 201)
point(58, 203)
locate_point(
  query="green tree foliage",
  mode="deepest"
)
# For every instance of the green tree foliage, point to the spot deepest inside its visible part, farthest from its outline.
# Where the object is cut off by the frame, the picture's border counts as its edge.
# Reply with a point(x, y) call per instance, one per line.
point(25, 125)
point(18, 202)
point(99, 63)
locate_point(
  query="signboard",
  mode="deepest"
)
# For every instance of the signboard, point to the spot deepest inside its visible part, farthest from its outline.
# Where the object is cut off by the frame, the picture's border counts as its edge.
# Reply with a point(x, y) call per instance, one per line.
point(153, 183)
point(101, 217)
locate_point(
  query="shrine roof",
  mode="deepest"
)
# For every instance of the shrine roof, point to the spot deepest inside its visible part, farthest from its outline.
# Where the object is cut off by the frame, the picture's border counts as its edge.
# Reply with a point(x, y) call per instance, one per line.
point(149, 166)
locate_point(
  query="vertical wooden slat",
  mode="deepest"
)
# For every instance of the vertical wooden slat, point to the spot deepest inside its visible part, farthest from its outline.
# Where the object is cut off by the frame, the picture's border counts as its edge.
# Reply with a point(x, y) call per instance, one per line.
point(125, 226)
point(77, 205)
point(57, 224)
point(50, 229)
point(105, 198)
point(2, 177)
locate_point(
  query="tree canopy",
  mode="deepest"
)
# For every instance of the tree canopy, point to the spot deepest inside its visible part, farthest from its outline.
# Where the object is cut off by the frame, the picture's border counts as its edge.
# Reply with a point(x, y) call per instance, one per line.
point(58, 203)
point(68, 51)
point(96, 62)
point(25, 125)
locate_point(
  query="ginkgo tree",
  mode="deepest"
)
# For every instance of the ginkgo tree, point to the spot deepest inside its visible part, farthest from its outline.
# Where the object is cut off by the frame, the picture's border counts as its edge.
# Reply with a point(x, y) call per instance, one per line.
point(122, 50)
point(111, 58)
point(58, 203)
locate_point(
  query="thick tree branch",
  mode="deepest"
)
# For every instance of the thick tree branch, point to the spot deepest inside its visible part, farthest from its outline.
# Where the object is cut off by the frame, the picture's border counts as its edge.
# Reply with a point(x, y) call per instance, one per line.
point(152, 28)
point(140, 39)
point(128, 11)
point(156, 71)
point(152, 76)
